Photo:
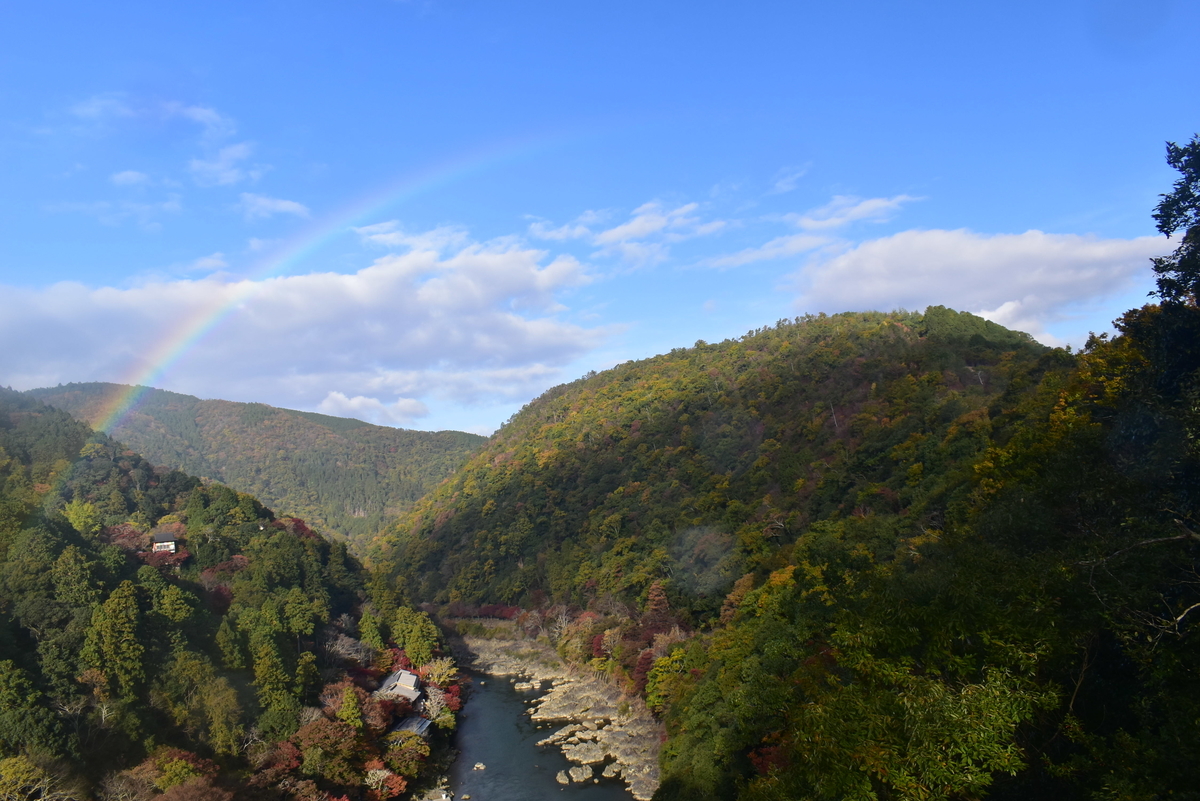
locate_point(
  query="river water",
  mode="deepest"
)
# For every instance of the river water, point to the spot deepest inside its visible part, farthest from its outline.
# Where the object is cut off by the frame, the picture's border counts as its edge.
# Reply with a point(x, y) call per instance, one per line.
point(495, 729)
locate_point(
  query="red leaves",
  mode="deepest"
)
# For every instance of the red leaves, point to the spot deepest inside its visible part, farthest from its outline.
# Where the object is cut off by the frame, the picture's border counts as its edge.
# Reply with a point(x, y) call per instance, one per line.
point(296, 526)
point(768, 758)
point(641, 671)
point(161, 559)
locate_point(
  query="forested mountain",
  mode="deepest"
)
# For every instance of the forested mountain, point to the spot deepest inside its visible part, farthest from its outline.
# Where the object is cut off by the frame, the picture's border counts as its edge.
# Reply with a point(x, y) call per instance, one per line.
point(867, 556)
point(164, 638)
point(345, 476)
point(699, 463)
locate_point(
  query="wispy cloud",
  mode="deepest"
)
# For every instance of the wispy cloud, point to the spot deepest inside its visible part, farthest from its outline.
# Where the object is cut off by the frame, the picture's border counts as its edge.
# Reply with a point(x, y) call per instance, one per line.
point(104, 106)
point(438, 240)
point(579, 228)
point(649, 218)
point(643, 239)
point(845, 209)
point(215, 124)
point(107, 107)
point(209, 264)
point(129, 178)
point(778, 248)
point(260, 207)
point(225, 167)
point(787, 179)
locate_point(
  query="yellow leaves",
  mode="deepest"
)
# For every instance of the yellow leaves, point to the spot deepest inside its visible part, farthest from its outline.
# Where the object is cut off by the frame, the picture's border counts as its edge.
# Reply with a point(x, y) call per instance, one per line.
point(783, 577)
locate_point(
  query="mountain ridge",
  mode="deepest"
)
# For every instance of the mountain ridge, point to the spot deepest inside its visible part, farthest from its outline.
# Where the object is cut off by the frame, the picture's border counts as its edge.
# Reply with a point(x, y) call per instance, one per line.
point(347, 476)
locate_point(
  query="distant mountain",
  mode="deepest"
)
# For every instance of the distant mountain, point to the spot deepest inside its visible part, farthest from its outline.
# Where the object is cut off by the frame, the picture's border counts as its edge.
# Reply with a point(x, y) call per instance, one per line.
point(345, 476)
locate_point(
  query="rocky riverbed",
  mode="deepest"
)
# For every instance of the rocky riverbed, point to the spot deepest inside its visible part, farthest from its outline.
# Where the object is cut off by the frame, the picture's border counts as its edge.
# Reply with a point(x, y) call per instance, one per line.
point(603, 733)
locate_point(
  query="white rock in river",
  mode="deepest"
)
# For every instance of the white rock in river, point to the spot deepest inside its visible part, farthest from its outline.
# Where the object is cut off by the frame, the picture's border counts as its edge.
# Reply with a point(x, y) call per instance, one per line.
point(562, 777)
point(479, 766)
point(581, 773)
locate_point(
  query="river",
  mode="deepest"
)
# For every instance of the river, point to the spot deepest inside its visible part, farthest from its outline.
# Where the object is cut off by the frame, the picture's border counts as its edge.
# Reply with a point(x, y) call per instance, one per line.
point(495, 729)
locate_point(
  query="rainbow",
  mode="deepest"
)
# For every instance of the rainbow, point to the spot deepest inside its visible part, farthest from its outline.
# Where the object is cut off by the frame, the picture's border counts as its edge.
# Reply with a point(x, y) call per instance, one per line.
point(188, 332)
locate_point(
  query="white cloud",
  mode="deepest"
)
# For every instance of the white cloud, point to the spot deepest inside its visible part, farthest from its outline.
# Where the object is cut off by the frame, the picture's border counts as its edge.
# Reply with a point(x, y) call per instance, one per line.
point(110, 106)
point(479, 325)
point(209, 264)
point(649, 218)
point(845, 209)
point(260, 207)
point(224, 168)
point(787, 179)
point(129, 178)
point(778, 248)
point(104, 106)
point(402, 412)
point(579, 228)
point(215, 124)
point(1024, 281)
point(643, 239)
point(438, 240)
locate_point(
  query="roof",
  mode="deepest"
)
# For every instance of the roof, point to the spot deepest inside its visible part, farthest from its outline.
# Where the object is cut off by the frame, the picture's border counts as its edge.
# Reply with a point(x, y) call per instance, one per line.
point(164, 536)
point(413, 723)
point(403, 683)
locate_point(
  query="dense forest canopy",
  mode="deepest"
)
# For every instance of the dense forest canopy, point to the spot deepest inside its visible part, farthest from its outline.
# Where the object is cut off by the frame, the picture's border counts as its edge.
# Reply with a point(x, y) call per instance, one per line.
point(345, 476)
point(165, 637)
point(699, 464)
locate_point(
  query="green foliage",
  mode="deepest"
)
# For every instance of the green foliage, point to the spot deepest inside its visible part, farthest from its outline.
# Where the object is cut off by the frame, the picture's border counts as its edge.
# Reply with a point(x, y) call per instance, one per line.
point(23, 722)
point(350, 712)
point(84, 517)
point(368, 627)
point(114, 644)
point(21, 779)
point(107, 649)
point(1179, 273)
point(406, 751)
point(416, 634)
point(697, 466)
point(346, 476)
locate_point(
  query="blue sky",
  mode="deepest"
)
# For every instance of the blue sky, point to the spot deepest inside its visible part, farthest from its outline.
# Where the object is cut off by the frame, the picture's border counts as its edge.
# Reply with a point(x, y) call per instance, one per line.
point(426, 213)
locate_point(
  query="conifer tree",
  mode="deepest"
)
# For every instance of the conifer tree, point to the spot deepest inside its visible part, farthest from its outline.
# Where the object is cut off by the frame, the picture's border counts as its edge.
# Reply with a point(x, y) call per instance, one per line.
point(113, 645)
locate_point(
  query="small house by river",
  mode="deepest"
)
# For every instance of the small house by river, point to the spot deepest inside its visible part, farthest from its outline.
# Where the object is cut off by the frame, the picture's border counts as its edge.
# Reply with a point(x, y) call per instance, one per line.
point(400, 684)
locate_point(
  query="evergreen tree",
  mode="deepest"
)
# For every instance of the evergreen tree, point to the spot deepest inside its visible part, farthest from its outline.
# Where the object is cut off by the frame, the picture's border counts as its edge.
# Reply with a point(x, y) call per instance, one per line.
point(113, 642)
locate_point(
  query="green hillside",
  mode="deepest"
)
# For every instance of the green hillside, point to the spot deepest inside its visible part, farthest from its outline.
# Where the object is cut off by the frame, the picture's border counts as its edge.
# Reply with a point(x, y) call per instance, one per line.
point(227, 665)
point(699, 464)
point(346, 476)
point(868, 556)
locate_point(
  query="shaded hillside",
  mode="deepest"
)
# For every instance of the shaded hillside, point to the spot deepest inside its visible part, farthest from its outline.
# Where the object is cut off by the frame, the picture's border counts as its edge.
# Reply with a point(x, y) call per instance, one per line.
point(700, 463)
point(344, 475)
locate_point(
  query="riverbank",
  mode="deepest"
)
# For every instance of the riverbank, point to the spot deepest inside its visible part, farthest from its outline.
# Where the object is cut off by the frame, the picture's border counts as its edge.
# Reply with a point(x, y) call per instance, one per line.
point(604, 733)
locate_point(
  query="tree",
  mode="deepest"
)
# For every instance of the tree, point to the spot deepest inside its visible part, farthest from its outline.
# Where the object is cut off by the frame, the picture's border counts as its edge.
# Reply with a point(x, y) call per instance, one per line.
point(416, 634)
point(113, 644)
point(83, 517)
point(22, 779)
point(1179, 273)
point(23, 721)
point(351, 710)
